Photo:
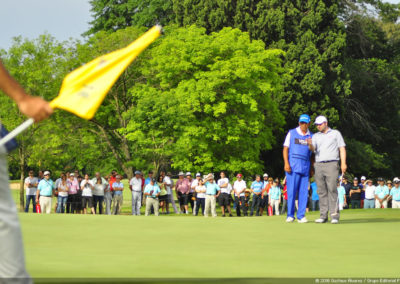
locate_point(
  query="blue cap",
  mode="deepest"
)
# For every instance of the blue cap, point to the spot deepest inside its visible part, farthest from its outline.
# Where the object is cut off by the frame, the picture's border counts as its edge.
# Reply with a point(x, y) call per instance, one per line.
point(304, 118)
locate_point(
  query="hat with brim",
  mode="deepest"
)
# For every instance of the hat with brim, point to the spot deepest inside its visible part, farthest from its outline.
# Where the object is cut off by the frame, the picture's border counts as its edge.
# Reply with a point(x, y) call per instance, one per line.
point(46, 173)
point(304, 118)
point(320, 119)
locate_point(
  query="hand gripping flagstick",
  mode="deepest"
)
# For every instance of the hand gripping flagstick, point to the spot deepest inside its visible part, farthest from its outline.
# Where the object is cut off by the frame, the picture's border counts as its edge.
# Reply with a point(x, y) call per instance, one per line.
point(84, 89)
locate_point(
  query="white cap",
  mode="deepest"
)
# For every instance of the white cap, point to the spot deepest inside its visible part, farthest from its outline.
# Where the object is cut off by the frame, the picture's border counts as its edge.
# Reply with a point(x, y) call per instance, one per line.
point(188, 173)
point(46, 173)
point(198, 175)
point(71, 175)
point(396, 179)
point(265, 175)
point(363, 178)
point(181, 174)
point(320, 119)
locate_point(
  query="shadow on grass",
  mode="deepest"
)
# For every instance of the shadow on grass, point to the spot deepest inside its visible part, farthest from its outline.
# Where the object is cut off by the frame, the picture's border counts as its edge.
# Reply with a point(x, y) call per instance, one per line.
point(371, 220)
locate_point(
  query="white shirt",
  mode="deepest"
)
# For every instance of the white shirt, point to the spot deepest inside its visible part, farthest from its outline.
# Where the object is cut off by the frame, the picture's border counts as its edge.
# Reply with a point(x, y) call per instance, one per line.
point(287, 139)
point(99, 188)
point(221, 182)
point(87, 190)
point(31, 190)
point(239, 186)
point(370, 192)
point(63, 187)
point(58, 182)
point(136, 184)
point(201, 194)
point(168, 183)
point(194, 184)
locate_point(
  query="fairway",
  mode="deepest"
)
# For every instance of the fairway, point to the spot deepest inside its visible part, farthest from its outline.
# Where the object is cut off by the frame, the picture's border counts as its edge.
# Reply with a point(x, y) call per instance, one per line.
point(362, 245)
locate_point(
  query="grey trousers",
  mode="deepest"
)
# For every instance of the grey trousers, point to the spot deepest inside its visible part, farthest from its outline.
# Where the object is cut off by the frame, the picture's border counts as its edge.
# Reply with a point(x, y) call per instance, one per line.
point(326, 177)
point(108, 201)
point(12, 259)
point(136, 202)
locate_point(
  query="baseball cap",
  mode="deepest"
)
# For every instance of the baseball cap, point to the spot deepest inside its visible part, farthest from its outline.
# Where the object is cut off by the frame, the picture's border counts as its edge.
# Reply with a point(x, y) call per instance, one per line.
point(239, 175)
point(304, 118)
point(356, 178)
point(181, 174)
point(198, 175)
point(188, 174)
point(71, 175)
point(137, 172)
point(46, 173)
point(363, 178)
point(320, 119)
point(380, 179)
point(396, 180)
point(265, 175)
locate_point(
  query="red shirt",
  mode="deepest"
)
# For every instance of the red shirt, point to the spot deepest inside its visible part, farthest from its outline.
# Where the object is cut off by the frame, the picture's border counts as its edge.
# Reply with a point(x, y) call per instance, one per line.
point(285, 190)
point(111, 181)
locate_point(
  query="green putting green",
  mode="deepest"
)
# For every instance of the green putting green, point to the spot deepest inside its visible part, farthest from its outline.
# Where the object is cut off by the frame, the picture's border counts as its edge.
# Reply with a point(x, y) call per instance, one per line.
point(364, 244)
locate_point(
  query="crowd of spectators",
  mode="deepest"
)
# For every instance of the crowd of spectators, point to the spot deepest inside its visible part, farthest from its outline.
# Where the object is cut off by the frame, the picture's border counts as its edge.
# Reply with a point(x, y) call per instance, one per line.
point(78, 194)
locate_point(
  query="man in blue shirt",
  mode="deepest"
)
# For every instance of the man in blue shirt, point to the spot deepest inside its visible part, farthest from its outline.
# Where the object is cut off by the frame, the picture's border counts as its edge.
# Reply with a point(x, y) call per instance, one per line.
point(118, 188)
point(256, 187)
point(296, 156)
point(212, 192)
point(381, 194)
point(395, 193)
point(45, 189)
point(152, 191)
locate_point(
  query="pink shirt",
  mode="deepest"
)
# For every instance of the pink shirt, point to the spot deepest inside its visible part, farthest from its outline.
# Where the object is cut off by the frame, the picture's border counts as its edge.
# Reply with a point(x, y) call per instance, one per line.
point(73, 186)
point(183, 185)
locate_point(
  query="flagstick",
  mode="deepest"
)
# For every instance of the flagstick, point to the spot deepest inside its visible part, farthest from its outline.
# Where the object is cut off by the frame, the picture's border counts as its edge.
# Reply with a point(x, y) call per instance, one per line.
point(16, 131)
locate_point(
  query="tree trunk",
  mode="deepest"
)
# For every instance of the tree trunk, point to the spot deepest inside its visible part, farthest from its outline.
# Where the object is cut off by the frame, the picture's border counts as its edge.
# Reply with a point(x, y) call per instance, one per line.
point(22, 178)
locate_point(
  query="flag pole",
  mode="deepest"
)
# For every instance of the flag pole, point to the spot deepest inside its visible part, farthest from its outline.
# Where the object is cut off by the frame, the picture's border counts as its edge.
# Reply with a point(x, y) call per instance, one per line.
point(16, 131)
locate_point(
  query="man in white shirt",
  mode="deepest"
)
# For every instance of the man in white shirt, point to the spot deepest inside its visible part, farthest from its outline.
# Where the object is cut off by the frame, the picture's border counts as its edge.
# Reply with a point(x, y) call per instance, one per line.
point(369, 202)
point(135, 185)
point(31, 184)
point(239, 188)
point(169, 185)
point(224, 201)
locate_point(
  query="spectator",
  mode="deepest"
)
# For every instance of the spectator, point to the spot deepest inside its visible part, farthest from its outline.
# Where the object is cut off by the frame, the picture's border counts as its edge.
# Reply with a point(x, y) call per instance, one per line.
point(45, 189)
point(87, 187)
point(135, 185)
point(182, 188)
point(193, 186)
point(341, 196)
point(363, 183)
point(264, 193)
point(390, 186)
point(285, 197)
point(40, 175)
point(225, 193)
point(200, 196)
point(62, 189)
point(347, 187)
point(108, 196)
point(275, 196)
point(169, 185)
point(152, 191)
point(256, 188)
point(314, 197)
point(355, 194)
point(79, 207)
point(100, 185)
point(57, 182)
point(369, 189)
point(163, 197)
point(111, 180)
point(212, 192)
point(118, 188)
point(149, 178)
point(73, 199)
point(191, 194)
point(395, 194)
point(239, 188)
point(381, 194)
point(31, 184)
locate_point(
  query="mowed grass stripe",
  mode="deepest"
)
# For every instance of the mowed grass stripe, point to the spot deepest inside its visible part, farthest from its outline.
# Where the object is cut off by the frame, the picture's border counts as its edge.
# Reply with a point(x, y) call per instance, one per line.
point(363, 245)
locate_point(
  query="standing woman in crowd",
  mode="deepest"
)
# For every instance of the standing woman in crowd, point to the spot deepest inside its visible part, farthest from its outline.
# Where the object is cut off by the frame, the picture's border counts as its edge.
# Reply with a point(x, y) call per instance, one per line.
point(163, 197)
point(73, 187)
point(275, 196)
point(200, 197)
point(62, 198)
point(100, 185)
point(107, 196)
point(78, 205)
point(87, 194)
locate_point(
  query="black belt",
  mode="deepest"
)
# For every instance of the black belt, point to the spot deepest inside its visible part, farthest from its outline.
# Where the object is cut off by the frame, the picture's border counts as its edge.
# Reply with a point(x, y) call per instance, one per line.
point(330, 161)
point(370, 199)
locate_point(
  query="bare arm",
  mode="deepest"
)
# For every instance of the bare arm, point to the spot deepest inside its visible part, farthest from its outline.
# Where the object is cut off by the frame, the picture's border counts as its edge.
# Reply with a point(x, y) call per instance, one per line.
point(342, 151)
point(33, 107)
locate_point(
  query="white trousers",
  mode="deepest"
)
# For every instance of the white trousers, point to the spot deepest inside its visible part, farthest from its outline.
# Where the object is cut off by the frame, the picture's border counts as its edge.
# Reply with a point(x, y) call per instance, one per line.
point(12, 260)
point(275, 203)
point(378, 204)
point(136, 202)
point(210, 204)
point(45, 204)
point(395, 204)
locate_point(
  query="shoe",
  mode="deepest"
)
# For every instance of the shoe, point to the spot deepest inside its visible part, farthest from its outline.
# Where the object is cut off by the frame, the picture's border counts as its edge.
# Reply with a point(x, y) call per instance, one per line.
point(230, 215)
point(335, 221)
point(320, 220)
point(289, 220)
point(223, 215)
point(302, 220)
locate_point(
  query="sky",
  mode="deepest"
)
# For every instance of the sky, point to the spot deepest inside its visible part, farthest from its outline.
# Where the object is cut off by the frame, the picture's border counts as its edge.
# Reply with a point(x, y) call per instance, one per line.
point(62, 19)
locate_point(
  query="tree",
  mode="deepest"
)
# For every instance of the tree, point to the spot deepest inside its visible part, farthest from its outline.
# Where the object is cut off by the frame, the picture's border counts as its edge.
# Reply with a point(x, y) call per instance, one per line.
point(112, 15)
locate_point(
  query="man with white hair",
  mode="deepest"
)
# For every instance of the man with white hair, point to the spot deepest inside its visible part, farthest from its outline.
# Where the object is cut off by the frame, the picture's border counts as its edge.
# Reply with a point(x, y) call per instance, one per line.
point(395, 194)
point(135, 185)
point(329, 147)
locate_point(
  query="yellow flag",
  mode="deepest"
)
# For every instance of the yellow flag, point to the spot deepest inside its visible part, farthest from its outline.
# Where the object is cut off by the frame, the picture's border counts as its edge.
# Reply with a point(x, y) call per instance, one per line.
point(83, 90)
